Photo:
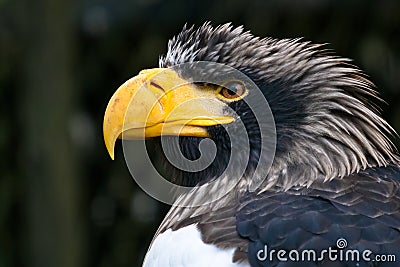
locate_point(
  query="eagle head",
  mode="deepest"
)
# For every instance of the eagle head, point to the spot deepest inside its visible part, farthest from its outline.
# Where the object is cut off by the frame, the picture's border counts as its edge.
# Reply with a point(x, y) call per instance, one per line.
point(324, 122)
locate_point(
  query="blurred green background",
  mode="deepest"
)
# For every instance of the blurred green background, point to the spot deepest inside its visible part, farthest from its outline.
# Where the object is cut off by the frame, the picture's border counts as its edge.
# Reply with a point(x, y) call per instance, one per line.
point(63, 202)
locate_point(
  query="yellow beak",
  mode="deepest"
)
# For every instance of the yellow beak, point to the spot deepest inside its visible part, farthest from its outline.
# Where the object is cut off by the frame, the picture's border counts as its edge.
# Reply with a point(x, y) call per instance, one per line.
point(159, 102)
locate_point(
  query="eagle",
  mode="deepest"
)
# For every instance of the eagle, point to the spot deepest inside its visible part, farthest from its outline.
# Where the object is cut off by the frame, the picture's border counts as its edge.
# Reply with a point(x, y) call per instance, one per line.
point(330, 192)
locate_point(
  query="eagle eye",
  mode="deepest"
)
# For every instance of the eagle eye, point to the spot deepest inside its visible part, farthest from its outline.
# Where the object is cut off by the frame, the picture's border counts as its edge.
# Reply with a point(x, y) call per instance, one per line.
point(232, 91)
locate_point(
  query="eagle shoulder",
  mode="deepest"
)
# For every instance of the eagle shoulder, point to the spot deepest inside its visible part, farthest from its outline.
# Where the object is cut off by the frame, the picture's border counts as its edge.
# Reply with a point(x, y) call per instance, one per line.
point(184, 247)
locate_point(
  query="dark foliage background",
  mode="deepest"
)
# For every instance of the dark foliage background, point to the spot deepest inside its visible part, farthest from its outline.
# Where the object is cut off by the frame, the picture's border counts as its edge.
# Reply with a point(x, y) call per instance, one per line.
point(63, 202)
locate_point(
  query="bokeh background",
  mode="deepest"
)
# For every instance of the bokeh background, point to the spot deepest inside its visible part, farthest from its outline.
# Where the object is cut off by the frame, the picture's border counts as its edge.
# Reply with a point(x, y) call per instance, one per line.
point(63, 202)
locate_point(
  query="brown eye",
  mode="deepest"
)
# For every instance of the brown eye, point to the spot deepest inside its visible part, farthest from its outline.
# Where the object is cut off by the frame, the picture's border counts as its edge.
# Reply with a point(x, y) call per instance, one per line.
point(233, 90)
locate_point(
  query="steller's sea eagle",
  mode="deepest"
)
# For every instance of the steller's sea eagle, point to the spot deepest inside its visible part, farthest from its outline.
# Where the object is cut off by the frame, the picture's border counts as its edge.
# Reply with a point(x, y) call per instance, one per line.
point(331, 196)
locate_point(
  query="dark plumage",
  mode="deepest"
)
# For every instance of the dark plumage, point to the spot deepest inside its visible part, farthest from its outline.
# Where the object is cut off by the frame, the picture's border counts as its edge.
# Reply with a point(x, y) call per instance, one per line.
point(335, 172)
point(325, 121)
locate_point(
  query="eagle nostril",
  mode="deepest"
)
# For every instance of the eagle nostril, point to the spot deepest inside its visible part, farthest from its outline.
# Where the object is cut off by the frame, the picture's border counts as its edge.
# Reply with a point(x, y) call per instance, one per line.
point(157, 86)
